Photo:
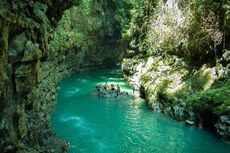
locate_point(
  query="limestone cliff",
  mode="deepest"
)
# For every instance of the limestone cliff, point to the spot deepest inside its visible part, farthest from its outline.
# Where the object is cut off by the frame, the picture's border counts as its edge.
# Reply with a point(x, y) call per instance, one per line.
point(29, 74)
point(197, 95)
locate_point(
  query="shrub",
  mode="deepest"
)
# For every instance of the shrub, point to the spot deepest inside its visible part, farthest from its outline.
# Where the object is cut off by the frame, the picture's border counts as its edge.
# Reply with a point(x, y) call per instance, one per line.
point(215, 100)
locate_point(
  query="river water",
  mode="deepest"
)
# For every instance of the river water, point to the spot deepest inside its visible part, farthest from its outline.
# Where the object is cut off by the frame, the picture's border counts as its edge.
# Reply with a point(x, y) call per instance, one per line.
point(121, 125)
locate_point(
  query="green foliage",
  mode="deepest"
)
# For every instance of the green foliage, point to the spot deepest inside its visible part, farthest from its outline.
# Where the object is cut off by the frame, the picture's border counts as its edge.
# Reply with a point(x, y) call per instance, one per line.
point(201, 80)
point(94, 23)
point(215, 100)
point(87, 26)
point(133, 16)
point(226, 8)
point(161, 89)
point(64, 36)
point(145, 79)
point(186, 28)
point(192, 29)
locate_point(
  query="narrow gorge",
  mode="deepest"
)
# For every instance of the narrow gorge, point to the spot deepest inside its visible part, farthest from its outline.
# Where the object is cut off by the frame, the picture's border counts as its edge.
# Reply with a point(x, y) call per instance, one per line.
point(175, 54)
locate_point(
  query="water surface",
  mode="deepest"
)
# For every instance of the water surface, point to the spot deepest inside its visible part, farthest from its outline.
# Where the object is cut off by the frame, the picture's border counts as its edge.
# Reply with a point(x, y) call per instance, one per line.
point(121, 125)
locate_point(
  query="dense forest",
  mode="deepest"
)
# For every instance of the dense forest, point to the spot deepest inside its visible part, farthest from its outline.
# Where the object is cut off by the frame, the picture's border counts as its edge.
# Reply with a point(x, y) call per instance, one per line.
point(176, 53)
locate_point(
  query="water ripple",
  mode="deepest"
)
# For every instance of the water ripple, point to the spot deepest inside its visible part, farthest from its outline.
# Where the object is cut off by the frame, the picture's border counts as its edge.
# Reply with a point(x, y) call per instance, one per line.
point(97, 125)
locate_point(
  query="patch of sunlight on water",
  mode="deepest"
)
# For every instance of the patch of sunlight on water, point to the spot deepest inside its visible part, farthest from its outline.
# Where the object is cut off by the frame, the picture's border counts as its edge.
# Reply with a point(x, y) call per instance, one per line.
point(121, 125)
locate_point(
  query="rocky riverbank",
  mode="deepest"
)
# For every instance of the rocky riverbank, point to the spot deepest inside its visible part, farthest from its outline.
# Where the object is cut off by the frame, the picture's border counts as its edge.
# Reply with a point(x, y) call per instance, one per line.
point(179, 60)
point(25, 121)
point(191, 94)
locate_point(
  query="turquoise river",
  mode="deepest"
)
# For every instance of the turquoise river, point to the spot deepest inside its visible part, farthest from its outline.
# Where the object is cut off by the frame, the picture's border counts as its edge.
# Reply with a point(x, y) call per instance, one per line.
point(121, 125)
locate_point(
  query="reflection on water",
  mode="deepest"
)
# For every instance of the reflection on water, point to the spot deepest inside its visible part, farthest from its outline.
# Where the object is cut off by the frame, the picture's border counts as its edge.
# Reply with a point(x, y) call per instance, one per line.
point(71, 92)
point(118, 125)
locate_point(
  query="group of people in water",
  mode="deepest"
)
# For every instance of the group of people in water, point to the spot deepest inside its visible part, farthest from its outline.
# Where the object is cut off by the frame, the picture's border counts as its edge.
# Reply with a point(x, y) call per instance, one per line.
point(108, 87)
point(109, 90)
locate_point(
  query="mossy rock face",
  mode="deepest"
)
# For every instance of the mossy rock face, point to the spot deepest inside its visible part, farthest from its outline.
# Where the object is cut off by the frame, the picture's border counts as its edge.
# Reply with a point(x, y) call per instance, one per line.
point(20, 121)
point(32, 52)
point(3, 77)
point(17, 46)
point(25, 83)
point(128, 66)
point(181, 91)
point(163, 77)
point(25, 29)
point(203, 78)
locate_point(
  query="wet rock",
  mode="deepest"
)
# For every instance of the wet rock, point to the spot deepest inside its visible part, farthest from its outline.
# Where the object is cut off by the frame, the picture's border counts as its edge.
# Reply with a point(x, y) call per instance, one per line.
point(179, 110)
point(168, 111)
point(191, 116)
point(223, 126)
point(157, 107)
point(188, 122)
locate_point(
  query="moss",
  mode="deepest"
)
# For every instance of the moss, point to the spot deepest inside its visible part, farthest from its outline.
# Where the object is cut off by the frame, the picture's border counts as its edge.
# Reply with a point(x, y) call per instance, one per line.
point(145, 79)
point(21, 125)
point(202, 79)
point(199, 80)
point(38, 71)
point(32, 51)
point(215, 100)
point(162, 91)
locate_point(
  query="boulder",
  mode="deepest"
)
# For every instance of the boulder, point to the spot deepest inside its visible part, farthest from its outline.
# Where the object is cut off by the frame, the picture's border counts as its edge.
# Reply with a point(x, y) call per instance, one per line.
point(179, 112)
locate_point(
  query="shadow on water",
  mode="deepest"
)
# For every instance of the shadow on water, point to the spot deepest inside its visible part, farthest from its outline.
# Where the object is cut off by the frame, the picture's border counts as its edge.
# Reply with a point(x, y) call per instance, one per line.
point(117, 125)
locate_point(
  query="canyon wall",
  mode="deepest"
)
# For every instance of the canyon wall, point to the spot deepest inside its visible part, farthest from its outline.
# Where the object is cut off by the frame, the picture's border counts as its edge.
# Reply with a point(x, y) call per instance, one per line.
point(29, 74)
point(41, 42)
point(180, 62)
